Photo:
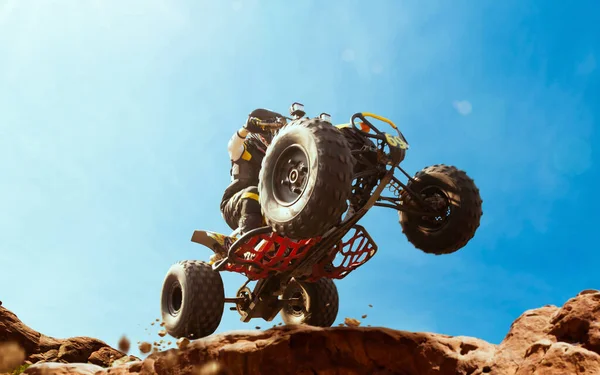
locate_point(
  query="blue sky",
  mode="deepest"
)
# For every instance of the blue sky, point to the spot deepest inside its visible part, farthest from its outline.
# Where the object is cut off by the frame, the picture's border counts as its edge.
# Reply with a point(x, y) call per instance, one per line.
point(115, 115)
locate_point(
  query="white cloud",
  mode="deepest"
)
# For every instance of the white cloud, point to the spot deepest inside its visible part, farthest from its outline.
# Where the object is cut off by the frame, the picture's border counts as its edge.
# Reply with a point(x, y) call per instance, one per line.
point(463, 107)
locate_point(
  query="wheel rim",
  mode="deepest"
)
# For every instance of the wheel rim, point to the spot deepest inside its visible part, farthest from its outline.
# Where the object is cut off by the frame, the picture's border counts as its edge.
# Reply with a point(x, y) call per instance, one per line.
point(246, 294)
point(297, 308)
point(290, 175)
point(175, 300)
point(438, 200)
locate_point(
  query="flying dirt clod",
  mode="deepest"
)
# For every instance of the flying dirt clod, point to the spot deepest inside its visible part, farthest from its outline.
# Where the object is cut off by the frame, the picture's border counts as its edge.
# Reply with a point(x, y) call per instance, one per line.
point(351, 322)
point(124, 344)
point(183, 343)
point(11, 356)
point(145, 347)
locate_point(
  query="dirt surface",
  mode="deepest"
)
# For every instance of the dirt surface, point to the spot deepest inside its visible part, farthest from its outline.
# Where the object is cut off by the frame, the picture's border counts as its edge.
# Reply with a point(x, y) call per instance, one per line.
point(545, 341)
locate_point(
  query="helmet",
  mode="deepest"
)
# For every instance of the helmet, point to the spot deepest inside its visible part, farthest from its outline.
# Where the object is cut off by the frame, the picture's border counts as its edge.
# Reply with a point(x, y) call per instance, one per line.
point(265, 114)
point(263, 140)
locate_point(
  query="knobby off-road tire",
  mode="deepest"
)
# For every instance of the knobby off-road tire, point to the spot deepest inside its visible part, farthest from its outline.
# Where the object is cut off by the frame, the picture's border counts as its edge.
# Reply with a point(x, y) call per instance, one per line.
point(464, 210)
point(192, 301)
point(320, 201)
point(319, 303)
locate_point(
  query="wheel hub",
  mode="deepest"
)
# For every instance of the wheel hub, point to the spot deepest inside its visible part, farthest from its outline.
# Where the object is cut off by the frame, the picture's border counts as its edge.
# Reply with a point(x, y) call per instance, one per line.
point(291, 172)
point(246, 294)
point(175, 299)
point(296, 305)
point(437, 200)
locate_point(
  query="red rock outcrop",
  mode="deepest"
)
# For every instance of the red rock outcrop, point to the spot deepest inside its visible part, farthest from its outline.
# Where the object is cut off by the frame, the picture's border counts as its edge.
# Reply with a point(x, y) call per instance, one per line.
point(37, 348)
point(544, 341)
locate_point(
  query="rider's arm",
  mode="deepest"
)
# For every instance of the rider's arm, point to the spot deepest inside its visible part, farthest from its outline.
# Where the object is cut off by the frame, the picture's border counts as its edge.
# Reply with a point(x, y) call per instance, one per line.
point(235, 147)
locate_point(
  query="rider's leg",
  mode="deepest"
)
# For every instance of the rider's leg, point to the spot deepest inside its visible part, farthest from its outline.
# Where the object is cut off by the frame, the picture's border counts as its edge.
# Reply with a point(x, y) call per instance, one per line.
point(230, 212)
point(251, 216)
point(250, 212)
point(243, 210)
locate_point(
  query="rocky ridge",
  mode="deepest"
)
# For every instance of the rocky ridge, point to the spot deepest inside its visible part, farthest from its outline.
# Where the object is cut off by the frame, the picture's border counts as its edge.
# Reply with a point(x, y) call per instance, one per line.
point(22, 345)
point(544, 341)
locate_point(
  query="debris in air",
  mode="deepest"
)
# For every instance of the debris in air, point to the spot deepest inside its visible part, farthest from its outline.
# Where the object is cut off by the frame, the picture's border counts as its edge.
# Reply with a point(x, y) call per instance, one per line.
point(370, 305)
point(364, 316)
point(145, 347)
point(182, 343)
point(11, 356)
point(351, 322)
point(124, 344)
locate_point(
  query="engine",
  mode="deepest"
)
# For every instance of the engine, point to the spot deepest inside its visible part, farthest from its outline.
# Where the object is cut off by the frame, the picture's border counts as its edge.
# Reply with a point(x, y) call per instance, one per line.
point(366, 170)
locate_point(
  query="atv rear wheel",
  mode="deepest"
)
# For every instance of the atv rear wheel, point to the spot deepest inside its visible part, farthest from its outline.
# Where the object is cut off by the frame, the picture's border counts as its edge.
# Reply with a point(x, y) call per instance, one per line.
point(193, 300)
point(316, 305)
point(456, 196)
point(306, 179)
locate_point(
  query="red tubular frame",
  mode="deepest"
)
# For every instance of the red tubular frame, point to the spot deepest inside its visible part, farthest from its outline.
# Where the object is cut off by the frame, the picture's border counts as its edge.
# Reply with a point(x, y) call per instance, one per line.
point(355, 252)
point(277, 254)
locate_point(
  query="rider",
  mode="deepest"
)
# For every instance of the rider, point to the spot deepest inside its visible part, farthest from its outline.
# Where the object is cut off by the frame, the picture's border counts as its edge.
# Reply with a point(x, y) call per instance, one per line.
point(240, 206)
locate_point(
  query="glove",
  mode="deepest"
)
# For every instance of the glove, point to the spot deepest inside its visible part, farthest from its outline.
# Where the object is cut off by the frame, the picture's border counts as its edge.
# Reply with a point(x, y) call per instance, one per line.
point(252, 125)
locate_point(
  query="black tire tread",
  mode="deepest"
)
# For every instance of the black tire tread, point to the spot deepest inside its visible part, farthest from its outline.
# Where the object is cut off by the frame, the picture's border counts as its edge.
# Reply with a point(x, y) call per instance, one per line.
point(325, 302)
point(333, 185)
point(204, 301)
point(465, 220)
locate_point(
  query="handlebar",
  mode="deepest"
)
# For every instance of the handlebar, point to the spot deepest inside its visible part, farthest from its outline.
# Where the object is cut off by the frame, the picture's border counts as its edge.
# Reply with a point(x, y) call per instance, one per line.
point(363, 117)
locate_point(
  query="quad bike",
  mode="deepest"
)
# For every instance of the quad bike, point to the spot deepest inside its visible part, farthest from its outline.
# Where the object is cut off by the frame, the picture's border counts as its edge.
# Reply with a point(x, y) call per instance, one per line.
point(317, 181)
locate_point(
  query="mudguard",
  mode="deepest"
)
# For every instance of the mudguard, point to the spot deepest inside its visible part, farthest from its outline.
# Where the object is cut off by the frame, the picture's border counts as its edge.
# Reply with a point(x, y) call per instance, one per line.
point(217, 242)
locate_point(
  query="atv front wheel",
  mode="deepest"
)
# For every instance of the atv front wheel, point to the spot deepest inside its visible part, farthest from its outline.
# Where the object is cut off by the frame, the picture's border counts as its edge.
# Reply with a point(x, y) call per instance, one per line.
point(193, 300)
point(306, 179)
point(315, 304)
point(456, 196)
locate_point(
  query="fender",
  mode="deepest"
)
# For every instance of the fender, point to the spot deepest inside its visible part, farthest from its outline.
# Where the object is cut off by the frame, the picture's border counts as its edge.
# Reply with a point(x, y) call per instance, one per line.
point(217, 242)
